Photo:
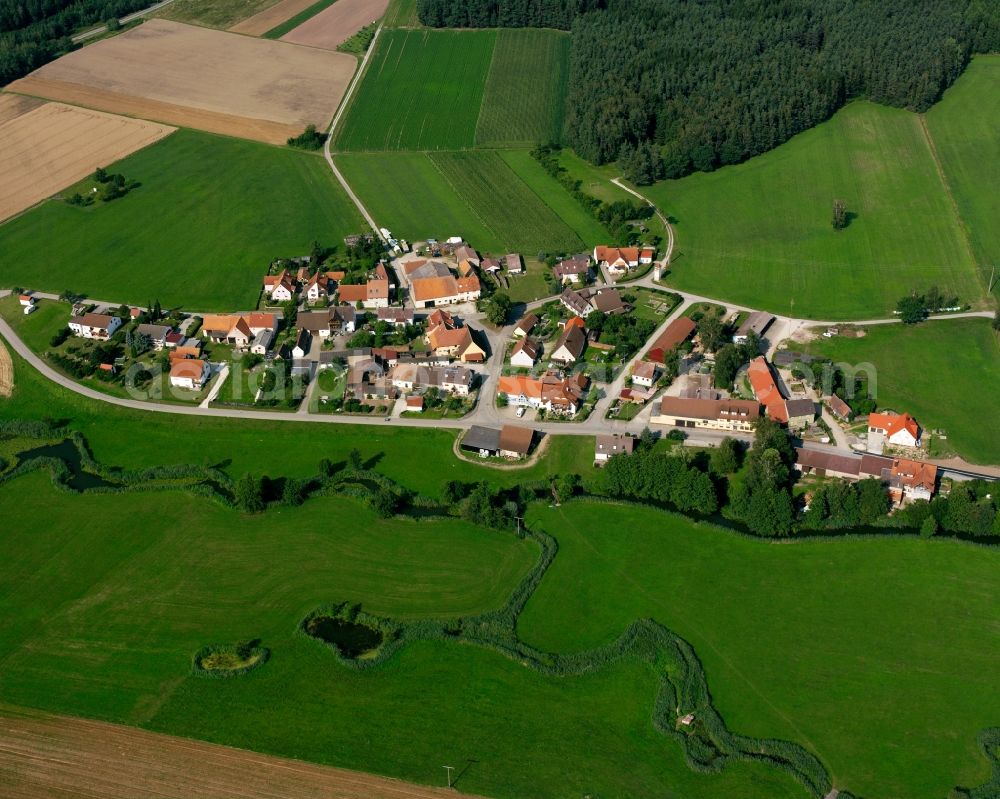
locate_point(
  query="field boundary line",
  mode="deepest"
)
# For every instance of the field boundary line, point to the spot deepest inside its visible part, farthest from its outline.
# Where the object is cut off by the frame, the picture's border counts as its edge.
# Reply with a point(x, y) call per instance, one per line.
point(486, 86)
point(943, 177)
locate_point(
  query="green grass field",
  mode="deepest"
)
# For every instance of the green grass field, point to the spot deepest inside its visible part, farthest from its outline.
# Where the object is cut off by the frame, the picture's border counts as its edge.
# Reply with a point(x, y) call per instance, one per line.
point(943, 372)
point(963, 126)
point(209, 217)
point(525, 89)
point(759, 233)
point(498, 201)
point(877, 654)
point(422, 91)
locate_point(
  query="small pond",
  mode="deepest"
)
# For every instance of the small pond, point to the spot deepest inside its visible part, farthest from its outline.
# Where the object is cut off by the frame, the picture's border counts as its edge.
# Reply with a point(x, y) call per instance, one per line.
point(66, 451)
point(352, 639)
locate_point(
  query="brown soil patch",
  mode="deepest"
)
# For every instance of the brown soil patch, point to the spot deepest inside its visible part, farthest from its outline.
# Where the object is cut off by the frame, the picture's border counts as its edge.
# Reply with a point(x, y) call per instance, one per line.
point(6, 372)
point(200, 77)
point(54, 145)
point(261, 23)
point(337, 24)
point(43, 755)
point(13, 105)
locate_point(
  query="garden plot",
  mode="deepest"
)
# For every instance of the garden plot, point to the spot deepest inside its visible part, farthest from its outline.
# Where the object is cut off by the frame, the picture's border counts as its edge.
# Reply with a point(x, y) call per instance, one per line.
point(200, 78)
point(51, 146)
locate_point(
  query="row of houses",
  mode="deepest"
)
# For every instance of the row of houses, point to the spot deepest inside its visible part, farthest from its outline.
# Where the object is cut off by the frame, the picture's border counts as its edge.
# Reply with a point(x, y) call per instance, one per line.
point(320, 286)
point(621, 260)
point(906, 479)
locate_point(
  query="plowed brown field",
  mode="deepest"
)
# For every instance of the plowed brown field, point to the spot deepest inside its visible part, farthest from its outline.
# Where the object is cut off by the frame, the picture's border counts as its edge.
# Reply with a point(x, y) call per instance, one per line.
point(262, 22)
point(202, 78)
point(336, 24)
point(52, 146)
point(55, 756)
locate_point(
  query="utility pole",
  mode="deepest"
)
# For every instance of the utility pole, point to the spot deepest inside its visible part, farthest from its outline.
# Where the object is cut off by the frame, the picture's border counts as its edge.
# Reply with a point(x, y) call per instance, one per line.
point(449, 769)
point(519, 520)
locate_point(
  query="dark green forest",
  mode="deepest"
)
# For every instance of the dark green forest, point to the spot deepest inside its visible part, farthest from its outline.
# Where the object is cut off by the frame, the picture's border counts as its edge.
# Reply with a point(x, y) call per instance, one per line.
point(674, 86)
point(33, 32)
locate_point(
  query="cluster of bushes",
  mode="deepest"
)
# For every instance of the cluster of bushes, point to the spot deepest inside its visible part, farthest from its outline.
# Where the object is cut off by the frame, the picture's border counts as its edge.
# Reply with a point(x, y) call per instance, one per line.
point(730, 357)
point(229, 660)
point(625, 332)
point(616, 217)
point(971, 508)
point(309, 139)
point(916, 307)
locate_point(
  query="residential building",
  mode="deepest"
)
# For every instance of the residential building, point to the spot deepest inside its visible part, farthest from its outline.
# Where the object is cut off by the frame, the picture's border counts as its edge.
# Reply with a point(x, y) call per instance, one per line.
point(570, 346)
point(645, 374)
point(455, 343)
point(372, 294)
point(430, 292)
point(189, 373)
point(94, 325)
point(451, 379)
point(617, 260)
point(525, 325)
point(910, 480)
point(157, 334)
point(606, 300)
point(551, 392)
point(575, 302)
point(415, 404)
point(524, 354)
point(317, 287)
point(515, 265)
point(26, 300)
point(572, 270)
point(675, 334)
point(800, 413)
point(302, 345)
point(728, 414)
point(335, 319)
point(491, 265)
point(398, 317)
point(900, 429)
point(283, 283)
point(757, 323)
point(263, 342)
point(607, 446)
point(465, 253)
point(237, 329)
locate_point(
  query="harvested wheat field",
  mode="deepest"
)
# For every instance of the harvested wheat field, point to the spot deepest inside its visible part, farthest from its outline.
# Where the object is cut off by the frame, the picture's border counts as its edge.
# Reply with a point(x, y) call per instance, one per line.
point(6, 376)
point(42, 755)
point(261, 22)
point(52, 146)
point(337, 24)
point(200, 78)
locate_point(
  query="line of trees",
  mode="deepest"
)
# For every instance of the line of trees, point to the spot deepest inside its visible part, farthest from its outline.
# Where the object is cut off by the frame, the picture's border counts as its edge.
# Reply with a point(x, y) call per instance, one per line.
point(668, 87)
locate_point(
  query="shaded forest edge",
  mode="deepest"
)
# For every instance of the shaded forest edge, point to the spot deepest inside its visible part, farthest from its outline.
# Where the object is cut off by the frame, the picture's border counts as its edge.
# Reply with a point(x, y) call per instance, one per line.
point(667, 88)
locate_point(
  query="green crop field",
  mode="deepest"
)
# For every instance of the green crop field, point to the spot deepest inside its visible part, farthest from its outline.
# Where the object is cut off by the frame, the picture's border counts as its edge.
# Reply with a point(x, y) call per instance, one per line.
point(525, 89)
point(945, 373)
point(401, 14)
point(759, 233)
point(876, 653)
point(963, 126)
point(450, 90)
point(293, 22)
point(422, 91)
point(498, 201)
point(209, 217)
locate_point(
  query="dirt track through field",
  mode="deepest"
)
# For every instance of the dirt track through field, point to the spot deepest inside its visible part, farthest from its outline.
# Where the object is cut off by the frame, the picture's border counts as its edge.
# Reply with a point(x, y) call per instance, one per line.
point(53, 146)
point(6, 372)
point(198, 77)
point(272, 17)
point(337, 24)
point(55, 756)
